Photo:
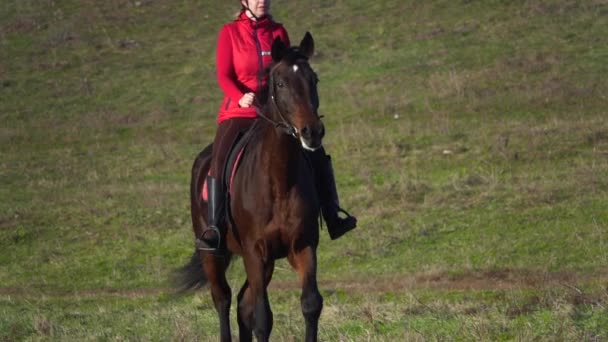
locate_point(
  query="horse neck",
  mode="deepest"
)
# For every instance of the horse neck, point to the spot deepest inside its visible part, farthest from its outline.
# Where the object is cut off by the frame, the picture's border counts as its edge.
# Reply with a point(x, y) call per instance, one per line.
point(281, 152)
point(283, 146)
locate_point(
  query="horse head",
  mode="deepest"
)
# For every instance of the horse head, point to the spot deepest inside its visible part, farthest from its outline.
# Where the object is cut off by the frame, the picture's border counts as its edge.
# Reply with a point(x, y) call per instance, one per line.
point(294, 100)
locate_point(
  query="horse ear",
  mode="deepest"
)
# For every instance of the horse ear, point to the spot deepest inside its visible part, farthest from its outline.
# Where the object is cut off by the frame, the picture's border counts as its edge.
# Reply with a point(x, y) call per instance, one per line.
point(278, 49)
point(307, 45)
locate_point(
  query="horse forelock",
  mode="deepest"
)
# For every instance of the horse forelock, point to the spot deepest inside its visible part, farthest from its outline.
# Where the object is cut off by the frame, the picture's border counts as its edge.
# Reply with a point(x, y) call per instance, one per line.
point(294, 55)
point(288, 61)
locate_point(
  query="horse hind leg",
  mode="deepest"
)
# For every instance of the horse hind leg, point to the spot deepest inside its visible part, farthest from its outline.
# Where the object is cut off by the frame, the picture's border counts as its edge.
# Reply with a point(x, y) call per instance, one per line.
point(215, 269)
point(198, 208)
point(305, 263)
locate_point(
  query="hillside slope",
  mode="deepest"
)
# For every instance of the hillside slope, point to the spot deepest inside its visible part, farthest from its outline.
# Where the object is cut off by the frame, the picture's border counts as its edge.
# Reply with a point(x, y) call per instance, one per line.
point(469, 137)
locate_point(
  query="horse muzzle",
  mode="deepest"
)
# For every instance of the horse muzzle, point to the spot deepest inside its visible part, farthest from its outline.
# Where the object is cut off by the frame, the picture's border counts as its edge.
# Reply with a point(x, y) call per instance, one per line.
point(311, 135)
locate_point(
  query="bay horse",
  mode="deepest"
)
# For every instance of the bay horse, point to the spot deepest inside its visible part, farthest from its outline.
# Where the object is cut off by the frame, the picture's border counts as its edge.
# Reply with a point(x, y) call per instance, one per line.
point(273, 204)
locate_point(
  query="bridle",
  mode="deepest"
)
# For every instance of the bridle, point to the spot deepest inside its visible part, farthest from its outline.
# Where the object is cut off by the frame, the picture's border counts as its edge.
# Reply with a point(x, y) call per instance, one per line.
point(283, 123)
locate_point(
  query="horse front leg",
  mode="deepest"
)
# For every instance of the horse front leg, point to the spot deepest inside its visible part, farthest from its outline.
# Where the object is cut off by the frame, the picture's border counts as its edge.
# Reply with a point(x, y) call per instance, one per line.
point(254, 312)
point(305, 263)
point(245, 313)
point(215, 268)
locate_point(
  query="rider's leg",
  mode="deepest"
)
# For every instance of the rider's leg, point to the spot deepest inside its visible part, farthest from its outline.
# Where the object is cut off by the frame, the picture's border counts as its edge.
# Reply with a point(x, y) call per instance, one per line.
point(328, 194)
point(214, 233)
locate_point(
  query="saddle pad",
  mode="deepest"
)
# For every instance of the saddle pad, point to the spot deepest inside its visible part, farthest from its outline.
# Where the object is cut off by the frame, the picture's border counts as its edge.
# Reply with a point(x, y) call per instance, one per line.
point(205, 193)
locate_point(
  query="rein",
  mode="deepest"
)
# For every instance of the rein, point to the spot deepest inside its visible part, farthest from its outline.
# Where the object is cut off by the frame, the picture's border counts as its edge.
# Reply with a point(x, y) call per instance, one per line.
point(284, 124)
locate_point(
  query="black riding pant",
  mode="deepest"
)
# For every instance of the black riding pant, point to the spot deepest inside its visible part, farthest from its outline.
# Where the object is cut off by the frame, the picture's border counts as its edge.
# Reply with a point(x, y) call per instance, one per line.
point(227, 132)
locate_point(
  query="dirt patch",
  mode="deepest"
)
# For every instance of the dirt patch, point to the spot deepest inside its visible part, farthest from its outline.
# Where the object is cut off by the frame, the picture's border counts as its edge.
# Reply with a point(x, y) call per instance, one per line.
point(108, 292)
point(483, 280)
point(21, 25)
point(506, 279)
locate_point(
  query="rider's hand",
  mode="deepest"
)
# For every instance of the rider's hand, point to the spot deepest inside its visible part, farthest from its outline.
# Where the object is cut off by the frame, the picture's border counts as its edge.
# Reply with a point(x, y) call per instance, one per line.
point(247, 100)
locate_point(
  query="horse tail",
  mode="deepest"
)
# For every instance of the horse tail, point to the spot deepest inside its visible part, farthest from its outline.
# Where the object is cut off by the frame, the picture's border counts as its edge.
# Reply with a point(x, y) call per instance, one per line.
point(190, 277)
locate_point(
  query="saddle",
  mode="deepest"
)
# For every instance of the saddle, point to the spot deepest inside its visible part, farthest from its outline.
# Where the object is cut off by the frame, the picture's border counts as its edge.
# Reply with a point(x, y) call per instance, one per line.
point(232, 162)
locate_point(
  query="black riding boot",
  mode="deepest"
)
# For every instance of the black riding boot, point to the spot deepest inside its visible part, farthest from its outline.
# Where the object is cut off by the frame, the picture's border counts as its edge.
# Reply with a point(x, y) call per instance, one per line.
point(212, 238)
point(326, 188)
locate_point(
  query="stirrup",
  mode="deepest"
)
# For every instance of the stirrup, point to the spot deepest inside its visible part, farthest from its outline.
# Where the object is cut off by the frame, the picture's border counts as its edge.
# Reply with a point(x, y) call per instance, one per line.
point(340, 210)
point(202, 245)
point(347, 224)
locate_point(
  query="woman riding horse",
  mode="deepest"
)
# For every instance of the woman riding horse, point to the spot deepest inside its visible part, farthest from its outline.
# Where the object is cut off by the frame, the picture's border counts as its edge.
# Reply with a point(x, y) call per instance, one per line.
point(273, 204)
point(243, 53)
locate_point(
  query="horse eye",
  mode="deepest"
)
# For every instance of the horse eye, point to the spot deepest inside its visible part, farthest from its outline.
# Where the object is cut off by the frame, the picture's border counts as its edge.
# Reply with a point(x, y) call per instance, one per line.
point(280, 84)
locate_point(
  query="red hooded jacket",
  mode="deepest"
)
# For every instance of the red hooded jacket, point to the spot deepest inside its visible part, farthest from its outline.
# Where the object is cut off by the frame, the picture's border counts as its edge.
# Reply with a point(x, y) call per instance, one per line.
point(243, 51)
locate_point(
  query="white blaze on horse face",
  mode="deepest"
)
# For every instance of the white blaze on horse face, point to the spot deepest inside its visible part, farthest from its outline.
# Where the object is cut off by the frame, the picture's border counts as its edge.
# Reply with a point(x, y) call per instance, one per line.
point(295, 68)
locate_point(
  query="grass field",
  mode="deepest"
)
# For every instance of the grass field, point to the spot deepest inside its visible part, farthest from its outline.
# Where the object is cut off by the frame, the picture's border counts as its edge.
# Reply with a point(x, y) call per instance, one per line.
point(469, 137)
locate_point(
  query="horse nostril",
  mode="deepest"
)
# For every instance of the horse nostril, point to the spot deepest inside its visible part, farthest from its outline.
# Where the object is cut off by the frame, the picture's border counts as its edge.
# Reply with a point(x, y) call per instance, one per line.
point(306, 131)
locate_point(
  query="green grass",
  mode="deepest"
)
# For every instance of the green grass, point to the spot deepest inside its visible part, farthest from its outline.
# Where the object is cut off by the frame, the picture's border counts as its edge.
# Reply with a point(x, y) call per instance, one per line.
point(469, 137)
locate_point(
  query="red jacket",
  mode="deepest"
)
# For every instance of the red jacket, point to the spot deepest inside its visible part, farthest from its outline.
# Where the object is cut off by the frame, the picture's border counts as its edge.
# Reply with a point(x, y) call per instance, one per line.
point(243, 51)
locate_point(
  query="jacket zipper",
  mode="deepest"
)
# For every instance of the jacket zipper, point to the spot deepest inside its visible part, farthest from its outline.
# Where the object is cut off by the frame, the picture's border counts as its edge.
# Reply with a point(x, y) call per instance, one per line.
point(260, 58)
